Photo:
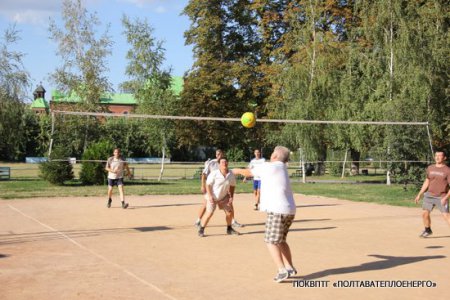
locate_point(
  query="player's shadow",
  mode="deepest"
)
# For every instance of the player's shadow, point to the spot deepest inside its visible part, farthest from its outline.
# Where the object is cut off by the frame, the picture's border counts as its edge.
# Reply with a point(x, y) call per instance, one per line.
point(142, 182)
point(3, 255)
point(161, 205)
point(6, 239)
point(438, 237)
point(386, 262)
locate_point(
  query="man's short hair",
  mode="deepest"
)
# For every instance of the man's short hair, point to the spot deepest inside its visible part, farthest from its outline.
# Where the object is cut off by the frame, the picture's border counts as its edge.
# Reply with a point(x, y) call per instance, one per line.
point(282, 153)
point(442, 151)
point(222, 158)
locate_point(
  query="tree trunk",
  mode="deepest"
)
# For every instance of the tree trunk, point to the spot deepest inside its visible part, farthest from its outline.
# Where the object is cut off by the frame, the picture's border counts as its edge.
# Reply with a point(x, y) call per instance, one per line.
point(321, 157)
point(356, 156)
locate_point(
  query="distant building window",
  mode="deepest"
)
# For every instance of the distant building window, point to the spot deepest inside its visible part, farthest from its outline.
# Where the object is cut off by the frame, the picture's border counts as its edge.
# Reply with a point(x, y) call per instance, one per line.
point(125, 113)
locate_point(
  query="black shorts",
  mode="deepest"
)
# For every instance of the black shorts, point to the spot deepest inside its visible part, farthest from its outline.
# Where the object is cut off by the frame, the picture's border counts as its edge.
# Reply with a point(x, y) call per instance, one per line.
point(113, 182)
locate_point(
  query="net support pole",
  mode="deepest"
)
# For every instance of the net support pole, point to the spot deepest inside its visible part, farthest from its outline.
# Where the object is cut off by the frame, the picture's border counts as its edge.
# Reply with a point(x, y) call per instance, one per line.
point(429, 140)
point(343, 165)
point(388, 171)
point(51, 135)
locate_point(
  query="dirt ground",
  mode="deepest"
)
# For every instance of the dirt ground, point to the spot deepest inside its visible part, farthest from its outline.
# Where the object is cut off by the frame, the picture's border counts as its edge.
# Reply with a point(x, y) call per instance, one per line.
point(76, 248)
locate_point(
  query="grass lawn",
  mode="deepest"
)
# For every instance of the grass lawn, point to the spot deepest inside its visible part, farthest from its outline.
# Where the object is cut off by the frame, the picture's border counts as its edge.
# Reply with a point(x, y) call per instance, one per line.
point(377, 193)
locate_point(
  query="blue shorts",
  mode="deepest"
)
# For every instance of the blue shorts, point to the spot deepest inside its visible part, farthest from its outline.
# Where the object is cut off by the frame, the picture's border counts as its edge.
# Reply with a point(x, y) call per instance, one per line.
point(256, 184)
point(113, 182)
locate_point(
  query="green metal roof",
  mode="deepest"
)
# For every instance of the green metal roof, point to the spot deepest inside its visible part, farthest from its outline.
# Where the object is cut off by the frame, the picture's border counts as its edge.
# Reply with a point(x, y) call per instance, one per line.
point(118, 99)
point(39, 103)
point(177, 85)
point(124, 99)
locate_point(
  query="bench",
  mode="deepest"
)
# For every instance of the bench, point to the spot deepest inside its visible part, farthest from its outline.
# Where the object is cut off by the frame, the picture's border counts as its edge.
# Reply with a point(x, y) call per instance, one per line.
point(5, 173)
point(297, 173)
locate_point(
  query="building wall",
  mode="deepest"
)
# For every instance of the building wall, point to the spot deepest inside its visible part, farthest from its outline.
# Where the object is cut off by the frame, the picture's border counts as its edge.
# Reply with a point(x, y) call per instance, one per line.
point(121, 109)
point(115, 109)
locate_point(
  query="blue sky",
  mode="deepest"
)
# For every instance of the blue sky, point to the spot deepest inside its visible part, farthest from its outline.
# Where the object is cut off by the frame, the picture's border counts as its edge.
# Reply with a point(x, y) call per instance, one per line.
point(32, 19)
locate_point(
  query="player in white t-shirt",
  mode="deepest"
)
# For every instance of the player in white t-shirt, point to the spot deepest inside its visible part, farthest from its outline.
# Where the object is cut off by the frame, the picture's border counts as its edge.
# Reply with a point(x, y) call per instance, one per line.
point(256, 180)
point(277, 200)
point(116, 165)
point(220, 186)
point(210, 166)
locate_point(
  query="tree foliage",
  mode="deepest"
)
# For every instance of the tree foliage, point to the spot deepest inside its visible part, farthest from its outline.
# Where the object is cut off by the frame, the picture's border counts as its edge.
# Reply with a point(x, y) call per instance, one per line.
point(93, 172)
point(14, 83)
point(223, 81)
point(150, 84)
point(301, 59)
point(58, 169)
point(83, 54)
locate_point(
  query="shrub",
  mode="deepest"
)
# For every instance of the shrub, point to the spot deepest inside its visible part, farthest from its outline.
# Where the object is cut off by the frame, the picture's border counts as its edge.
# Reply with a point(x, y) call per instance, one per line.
point(94, 173)
point(408, 174)
point(235, 155)
point(57, 172)
point(335, 168)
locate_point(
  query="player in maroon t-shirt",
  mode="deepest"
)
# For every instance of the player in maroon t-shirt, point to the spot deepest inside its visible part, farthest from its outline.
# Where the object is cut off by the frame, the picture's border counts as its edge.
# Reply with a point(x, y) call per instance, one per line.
point(436, 191)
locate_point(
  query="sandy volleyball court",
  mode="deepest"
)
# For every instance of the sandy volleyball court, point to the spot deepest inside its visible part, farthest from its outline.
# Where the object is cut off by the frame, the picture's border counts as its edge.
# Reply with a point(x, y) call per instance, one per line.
point(76, 248)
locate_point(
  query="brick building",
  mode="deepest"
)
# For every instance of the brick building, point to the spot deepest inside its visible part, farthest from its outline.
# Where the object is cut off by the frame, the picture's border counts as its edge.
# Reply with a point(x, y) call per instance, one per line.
point(119, 103)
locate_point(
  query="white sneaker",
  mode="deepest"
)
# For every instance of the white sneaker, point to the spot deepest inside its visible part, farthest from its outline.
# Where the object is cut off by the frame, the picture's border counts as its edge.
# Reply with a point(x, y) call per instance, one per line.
point(236, 224)
point(281, 277)
point(292, 272)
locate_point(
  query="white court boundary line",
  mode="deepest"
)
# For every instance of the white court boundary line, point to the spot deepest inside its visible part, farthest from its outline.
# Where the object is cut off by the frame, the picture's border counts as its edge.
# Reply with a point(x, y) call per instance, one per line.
point(129, 273)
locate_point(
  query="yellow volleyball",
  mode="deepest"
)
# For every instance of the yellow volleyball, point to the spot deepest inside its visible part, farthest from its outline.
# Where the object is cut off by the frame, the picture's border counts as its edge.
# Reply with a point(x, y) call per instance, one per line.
point(248, 120)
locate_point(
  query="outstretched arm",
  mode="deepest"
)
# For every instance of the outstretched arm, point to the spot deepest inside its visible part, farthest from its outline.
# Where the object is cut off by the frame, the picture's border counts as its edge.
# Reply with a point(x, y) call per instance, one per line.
point(243, 172)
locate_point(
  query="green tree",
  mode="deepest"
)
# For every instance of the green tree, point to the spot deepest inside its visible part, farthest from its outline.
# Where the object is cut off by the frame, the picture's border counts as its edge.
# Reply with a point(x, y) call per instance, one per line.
point(406, 71)
point(93, 172)
point(37, 129)
point(225, 78)
point(58, 169)
point(309, 81)
point(128, 135)
point(14, 83)
point(150, 84)
point(83, 53)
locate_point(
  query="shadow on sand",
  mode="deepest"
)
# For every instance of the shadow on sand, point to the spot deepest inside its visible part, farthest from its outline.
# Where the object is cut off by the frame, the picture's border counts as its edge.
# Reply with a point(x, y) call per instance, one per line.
point(57, 235)
point(386, 262)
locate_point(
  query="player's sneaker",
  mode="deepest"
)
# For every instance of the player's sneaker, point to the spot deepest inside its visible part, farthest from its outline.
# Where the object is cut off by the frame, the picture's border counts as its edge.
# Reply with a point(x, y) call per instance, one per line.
point(197, 223)
point(281, 276)
point(201, 231)
point(426, 233)
point(236, 224)
point(292, 272)
point(231, 231)
point(124, 205)
point(109, 203)
point(256, 206)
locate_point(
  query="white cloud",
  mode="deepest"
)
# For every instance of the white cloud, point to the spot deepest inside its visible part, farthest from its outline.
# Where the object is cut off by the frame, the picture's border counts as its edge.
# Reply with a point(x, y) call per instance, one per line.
point(161, 9)
point(35, 12)
point(158, 6)
point(17, 5)
point(29, 11)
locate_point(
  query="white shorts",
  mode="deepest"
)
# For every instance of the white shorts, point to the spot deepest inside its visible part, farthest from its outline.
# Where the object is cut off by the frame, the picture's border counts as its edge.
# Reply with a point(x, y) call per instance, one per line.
point(223, 204)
